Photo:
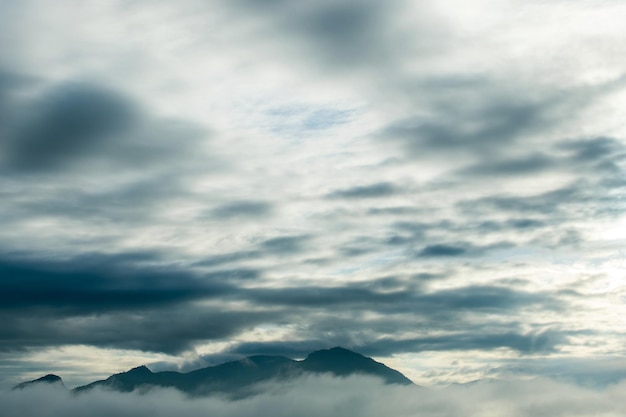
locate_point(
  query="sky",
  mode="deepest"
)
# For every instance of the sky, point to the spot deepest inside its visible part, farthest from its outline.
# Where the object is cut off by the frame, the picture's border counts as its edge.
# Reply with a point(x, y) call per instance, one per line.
point(437, 185)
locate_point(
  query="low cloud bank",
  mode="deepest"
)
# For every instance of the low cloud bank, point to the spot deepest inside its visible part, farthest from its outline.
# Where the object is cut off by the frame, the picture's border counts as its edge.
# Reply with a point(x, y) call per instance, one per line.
point(325, 396)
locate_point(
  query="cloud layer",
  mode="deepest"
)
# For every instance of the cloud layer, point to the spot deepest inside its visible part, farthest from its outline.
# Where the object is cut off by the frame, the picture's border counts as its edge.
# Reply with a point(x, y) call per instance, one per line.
point(317, 396)
point(437, 185)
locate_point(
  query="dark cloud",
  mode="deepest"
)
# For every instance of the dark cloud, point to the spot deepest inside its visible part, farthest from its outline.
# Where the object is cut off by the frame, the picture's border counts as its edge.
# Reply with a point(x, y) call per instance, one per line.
point(378, 190)
point(291, 349)
point(591, 150)
point(119, 301)
point(407, 299)
point(350, 34)
point(542, 342)
point(285, 244)
point(460, 249)
point(145, 329)
point(443, 250)
point(476, 127)
point(548, 203)
point(531, 164)
point(229, 258)
point(125, 301)
point(97, 284)
point(92, 128)
point(66, 123)
point(245, 209)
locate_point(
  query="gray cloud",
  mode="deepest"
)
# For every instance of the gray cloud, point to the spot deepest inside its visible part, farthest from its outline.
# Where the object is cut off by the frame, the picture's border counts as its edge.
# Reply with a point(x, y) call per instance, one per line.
point(476, 127)
point(531, 164)
point(94, 284)
point(285, 244)
point(460, 249)
point(543, 342)
point(338, 36)
point(378, 190)
point(113, 301)
point(67, 123)
point(144, 329)
point(529, 343)
point(243, 209)
point(323, 395)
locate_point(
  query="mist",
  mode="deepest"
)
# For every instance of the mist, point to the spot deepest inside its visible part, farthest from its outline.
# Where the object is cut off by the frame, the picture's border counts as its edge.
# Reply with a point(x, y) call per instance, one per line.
point(314, 396)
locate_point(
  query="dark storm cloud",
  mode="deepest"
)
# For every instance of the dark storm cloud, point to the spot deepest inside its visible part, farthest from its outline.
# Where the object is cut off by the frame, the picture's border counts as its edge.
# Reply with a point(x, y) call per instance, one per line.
point(454, 301)
point(122, 301)
point(98, 283)
point(66, 123)
point(378, 190)
point(88, 127)
point(172, 330)
point(125, 302)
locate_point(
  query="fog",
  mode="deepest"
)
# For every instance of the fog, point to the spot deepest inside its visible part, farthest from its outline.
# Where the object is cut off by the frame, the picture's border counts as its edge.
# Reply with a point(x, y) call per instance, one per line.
point(324, 396)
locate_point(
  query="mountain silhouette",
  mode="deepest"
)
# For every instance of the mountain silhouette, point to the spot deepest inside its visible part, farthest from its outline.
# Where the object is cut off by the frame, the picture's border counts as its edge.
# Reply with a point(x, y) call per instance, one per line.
point(241, 378)
point(344, 362)
point(44, 380)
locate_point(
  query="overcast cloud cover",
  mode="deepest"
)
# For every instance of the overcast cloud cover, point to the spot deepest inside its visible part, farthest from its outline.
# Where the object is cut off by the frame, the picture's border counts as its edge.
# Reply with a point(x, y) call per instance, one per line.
point(439, 185)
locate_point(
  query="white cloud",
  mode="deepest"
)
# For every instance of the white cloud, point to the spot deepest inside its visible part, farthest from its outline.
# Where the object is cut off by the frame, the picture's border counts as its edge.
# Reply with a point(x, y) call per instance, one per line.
point(322, 396)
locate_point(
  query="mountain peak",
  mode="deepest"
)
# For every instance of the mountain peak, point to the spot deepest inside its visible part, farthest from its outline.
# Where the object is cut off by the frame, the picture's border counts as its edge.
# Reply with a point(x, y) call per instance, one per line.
point(239, 378)
point(47, 379)
point(343, 362)
point(337, 350)
point(143, 369)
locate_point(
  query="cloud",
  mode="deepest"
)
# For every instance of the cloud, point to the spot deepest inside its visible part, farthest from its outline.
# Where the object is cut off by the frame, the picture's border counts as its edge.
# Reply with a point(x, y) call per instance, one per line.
point(407, 176)
point(66, 123)
point(531, 164)
point(378, 190)
point(108, 301)
point(285, 244)
point(322, 395)
point(242, 209)
point(100, 283)
point(459, 249)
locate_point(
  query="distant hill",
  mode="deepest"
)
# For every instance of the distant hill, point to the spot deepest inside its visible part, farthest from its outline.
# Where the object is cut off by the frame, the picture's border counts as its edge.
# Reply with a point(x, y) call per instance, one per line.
point(241, 378)
point(44, 380)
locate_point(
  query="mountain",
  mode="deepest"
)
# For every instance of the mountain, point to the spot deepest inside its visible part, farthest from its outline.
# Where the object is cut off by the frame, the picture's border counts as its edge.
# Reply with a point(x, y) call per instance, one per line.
point(44, 380)
point(241, 378)
point(343, 362)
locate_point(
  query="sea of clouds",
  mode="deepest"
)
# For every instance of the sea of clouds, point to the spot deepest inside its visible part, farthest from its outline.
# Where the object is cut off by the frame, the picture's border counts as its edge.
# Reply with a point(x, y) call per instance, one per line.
point(318, 396)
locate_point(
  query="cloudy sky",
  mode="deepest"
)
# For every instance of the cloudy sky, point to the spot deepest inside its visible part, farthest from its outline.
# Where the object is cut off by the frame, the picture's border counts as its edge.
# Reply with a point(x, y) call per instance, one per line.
point(438, 185)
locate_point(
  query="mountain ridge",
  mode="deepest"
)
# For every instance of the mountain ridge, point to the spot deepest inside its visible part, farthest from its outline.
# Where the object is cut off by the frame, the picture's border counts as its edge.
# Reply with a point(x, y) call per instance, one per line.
point(240, 378)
